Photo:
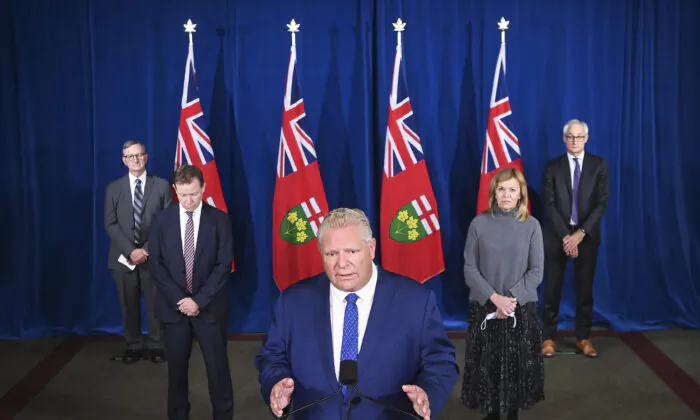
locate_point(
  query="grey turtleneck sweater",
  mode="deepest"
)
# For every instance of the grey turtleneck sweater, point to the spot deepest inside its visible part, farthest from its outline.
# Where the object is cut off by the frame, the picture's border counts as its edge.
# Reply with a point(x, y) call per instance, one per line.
point(504, 256)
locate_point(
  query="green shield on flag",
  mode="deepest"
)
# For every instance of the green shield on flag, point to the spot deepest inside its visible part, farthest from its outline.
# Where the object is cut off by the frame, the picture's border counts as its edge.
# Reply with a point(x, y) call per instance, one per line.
point(406, 225)
point(295, 227)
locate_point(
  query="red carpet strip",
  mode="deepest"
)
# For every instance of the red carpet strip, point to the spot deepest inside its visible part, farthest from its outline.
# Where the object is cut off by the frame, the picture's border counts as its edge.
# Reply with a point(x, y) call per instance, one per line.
point(20, 395)
point(665, 368)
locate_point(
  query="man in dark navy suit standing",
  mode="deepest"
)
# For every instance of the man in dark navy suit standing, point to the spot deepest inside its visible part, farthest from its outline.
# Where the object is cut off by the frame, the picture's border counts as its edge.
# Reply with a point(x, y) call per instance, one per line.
point(575, 195)
point(190, 261)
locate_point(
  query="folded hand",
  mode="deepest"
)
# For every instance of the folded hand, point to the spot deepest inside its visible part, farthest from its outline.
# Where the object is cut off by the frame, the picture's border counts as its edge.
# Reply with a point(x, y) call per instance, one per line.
point(188, 307)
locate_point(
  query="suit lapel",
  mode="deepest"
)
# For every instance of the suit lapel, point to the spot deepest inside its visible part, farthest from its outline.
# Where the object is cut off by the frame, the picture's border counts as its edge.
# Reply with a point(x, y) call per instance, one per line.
point(204, 230)
point(586, 173)
point(325, 338)
point(129, 210)
point(175, 222)
point(566, 173)
point(150, 182)
point(377, 323)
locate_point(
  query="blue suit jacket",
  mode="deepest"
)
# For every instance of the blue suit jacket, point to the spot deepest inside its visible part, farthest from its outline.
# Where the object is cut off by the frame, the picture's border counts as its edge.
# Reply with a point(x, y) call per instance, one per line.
point(212, 264)
point(405, 343)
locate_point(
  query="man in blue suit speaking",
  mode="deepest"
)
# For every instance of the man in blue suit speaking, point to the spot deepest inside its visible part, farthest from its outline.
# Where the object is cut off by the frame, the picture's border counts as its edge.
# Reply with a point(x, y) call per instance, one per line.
point(388, 324)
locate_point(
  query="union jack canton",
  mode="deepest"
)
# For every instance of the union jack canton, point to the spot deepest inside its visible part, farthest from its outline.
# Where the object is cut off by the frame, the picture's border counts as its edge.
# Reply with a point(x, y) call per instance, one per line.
point(194, 146)
point(403, 148)
point(296, 149)
point(502, 145)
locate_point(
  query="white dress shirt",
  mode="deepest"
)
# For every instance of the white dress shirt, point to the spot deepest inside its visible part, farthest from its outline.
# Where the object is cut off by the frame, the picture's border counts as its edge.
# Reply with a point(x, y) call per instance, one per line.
point(196, 216)
point(364, 306)
point(572, 167)
point(132, 184)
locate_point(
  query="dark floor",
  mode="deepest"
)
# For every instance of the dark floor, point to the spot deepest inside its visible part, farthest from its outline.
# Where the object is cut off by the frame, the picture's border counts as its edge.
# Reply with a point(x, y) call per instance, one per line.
point(651, 375)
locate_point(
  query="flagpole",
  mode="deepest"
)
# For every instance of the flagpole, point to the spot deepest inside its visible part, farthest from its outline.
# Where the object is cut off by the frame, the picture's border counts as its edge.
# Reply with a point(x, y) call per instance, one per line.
point(503, 27)
point(399, 26)
point(293, 27)
point(189, 28)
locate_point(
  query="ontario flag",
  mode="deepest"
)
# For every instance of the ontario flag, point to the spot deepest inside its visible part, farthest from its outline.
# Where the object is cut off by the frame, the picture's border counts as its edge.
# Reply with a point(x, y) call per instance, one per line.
point(193, 144)
point(501, 148)
point(300, 199)
point(411, 241)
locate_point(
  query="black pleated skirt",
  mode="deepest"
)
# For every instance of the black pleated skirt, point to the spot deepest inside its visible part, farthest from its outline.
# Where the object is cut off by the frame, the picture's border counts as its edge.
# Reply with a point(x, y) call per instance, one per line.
point(503, 363)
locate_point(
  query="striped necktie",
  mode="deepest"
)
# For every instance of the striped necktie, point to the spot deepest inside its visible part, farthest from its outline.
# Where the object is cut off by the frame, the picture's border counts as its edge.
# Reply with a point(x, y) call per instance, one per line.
point(138, 211)
point(188, 251)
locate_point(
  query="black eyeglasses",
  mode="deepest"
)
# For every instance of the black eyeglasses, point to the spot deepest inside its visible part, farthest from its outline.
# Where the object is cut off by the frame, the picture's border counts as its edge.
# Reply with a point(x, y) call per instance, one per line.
point(570, 137)
point(134, 156)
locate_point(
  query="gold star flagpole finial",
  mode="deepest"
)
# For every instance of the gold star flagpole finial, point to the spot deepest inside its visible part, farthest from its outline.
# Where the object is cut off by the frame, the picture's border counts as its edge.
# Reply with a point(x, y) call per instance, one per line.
point(293, 27)
point(189, 28)
point(503, 27)
point(399, 26)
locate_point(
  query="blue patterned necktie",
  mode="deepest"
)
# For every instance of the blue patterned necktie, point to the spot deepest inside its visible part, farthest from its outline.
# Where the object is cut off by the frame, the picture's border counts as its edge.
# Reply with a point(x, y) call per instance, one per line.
point(138, 211)
point(348, 350)
point(574, 201)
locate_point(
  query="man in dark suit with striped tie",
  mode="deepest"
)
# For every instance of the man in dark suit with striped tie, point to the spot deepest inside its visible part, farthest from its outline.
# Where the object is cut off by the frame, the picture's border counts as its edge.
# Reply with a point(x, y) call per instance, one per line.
point(130, 202)
point(190, 261)
point(575, 194)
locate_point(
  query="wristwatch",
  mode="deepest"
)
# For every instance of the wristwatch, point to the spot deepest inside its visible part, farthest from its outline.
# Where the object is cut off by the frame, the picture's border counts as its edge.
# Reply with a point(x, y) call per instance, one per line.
point(583, 230)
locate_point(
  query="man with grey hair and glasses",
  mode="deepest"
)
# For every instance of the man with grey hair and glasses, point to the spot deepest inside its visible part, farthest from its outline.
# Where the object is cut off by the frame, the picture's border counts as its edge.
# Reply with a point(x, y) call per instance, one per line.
point(388, 326)
point(575, 195)
point(130, 202)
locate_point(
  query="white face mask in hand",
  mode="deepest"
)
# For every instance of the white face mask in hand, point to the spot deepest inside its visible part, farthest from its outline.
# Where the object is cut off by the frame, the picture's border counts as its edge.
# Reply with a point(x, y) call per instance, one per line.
point(492, 315)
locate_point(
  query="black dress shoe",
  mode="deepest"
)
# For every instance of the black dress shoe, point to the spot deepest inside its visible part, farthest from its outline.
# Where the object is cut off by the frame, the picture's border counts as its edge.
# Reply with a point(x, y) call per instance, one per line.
point(513, 414)
point(156, 355)
point(131, 356)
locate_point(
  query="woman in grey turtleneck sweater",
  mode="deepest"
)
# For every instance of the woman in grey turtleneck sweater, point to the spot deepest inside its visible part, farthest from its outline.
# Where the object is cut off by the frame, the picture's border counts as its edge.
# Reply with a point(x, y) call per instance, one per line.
point(503, 262)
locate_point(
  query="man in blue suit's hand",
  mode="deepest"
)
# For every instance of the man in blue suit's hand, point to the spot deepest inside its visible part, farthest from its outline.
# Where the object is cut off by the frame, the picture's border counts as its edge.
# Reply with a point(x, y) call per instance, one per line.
point(388, 324)
point(281, 395)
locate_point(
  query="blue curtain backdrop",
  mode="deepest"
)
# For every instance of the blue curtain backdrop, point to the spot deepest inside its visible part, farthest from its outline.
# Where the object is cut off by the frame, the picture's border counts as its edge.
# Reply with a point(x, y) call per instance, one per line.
point(79, 77)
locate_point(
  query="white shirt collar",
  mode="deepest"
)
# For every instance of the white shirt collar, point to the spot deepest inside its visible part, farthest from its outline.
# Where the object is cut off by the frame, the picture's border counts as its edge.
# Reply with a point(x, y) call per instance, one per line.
point(132, 178)
point(196, 211)
point(366, 293)
point(579, 157)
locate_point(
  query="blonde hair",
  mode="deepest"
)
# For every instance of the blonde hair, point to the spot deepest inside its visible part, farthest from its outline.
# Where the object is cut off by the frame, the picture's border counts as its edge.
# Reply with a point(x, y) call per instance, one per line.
point(505, 175)
point(342, 217)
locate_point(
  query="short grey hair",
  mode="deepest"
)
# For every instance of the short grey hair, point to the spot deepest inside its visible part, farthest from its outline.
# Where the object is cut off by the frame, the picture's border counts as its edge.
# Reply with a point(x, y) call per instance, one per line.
point(130, 143)
point(575, 121)
point(342, 217)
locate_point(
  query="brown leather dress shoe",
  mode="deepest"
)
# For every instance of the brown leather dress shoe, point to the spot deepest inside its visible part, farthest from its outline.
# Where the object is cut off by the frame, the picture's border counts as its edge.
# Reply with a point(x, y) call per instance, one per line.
point(585, 347)
point(548, 348)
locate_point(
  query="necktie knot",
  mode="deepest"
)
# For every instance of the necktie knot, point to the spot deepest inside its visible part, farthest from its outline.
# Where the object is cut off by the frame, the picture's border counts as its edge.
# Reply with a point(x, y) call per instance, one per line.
point(189, 214)
point(351, 298)
point(138, 182)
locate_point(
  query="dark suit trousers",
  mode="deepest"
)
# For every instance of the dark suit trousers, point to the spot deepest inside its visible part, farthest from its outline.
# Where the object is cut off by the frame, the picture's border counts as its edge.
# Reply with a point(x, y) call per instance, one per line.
point(131, 286)
point(584, 272)
point(212, 340)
